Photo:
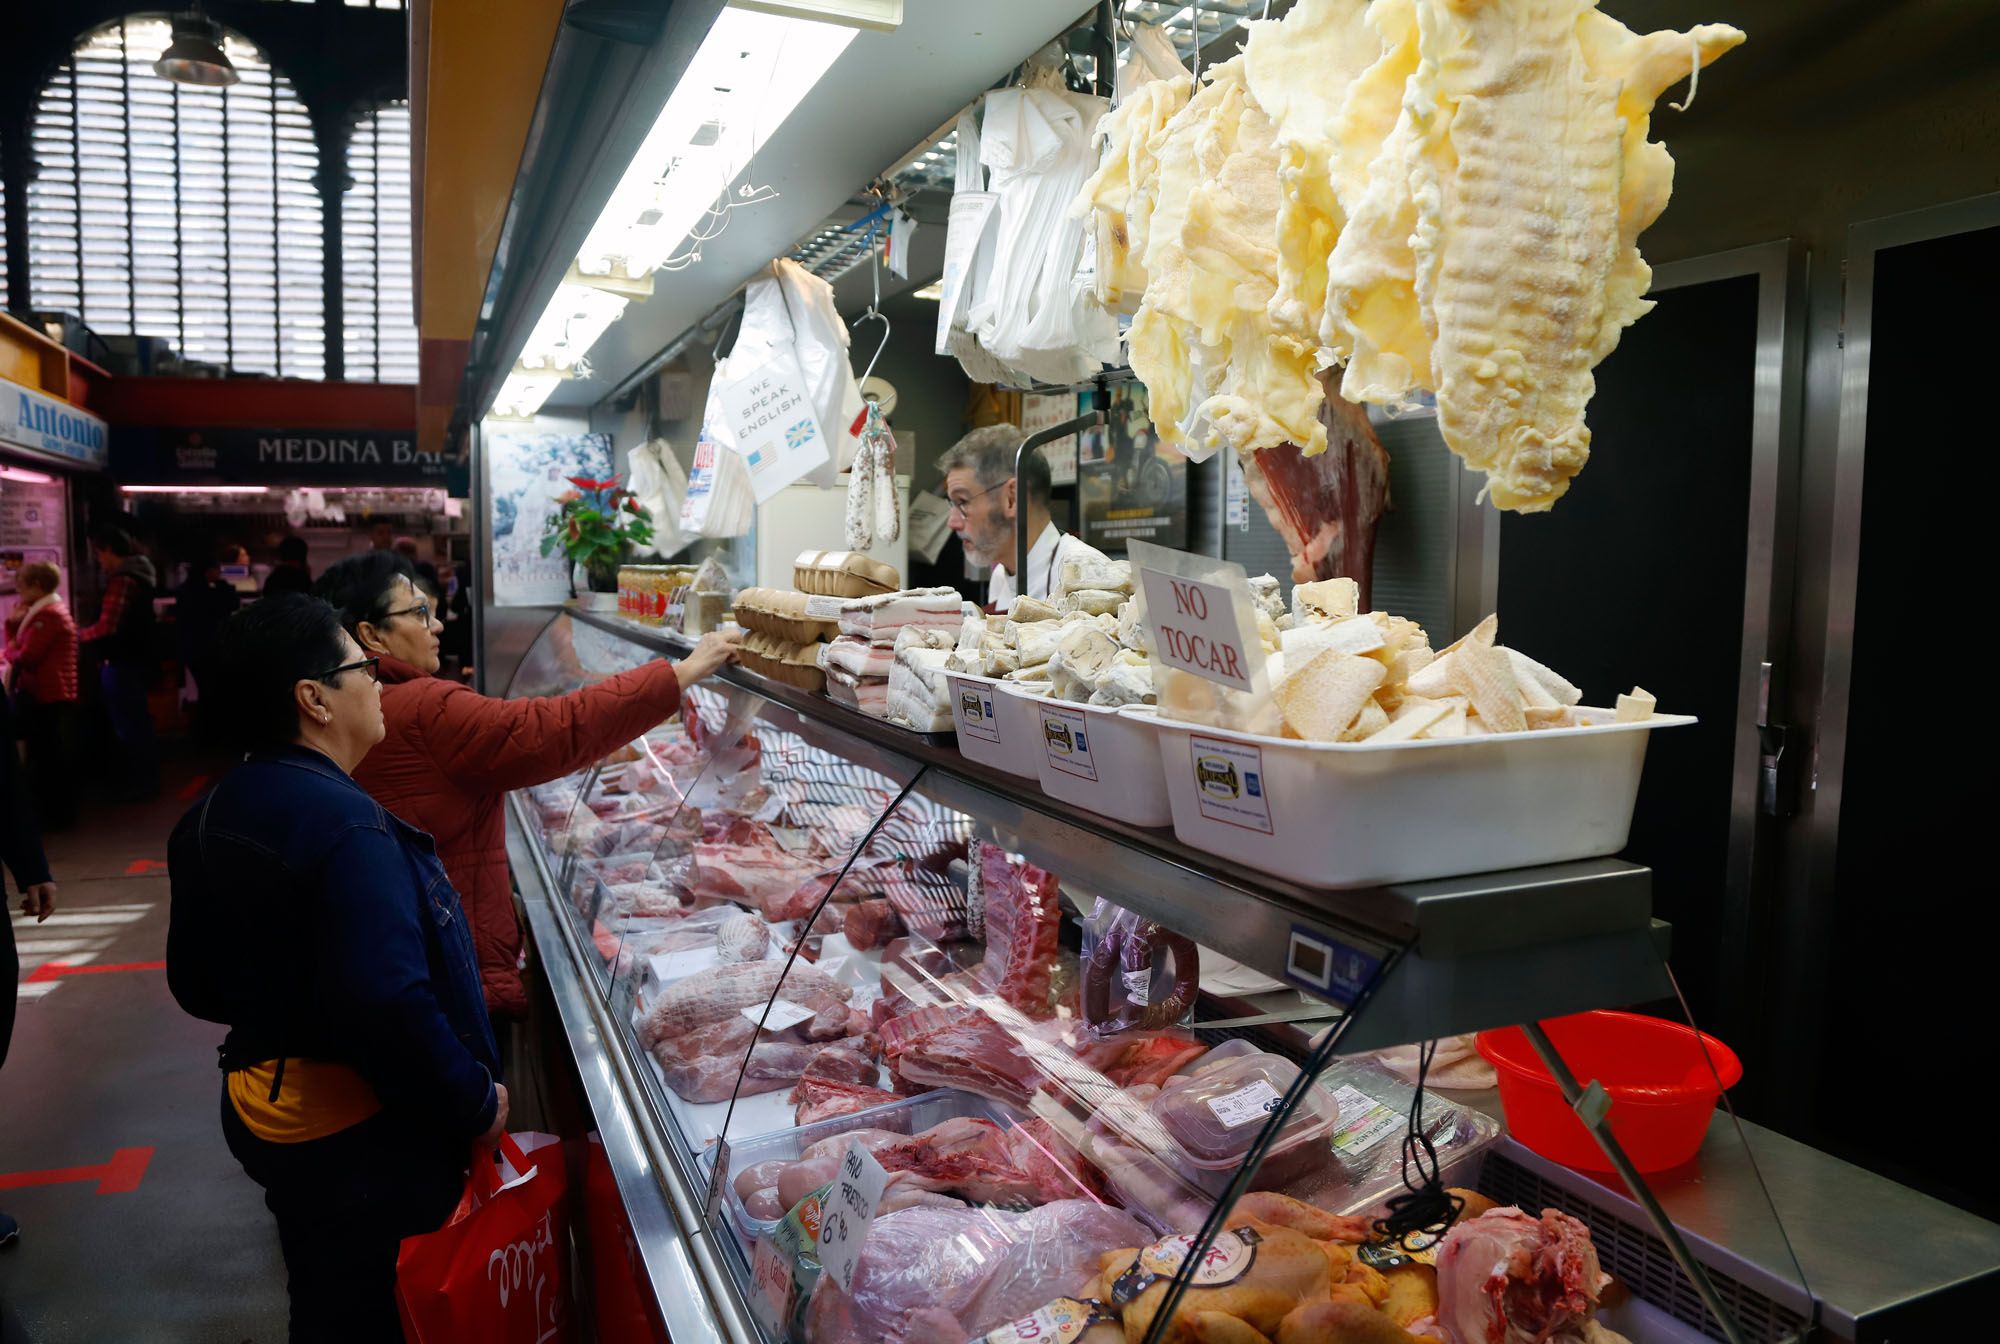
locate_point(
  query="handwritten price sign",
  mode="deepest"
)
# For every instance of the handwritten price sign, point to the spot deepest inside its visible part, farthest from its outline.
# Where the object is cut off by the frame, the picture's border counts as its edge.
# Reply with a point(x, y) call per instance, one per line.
point(850, 1210)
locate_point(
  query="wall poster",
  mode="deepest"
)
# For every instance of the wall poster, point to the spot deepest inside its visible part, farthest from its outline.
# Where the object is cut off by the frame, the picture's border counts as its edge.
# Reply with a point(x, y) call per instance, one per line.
point(1131, 486)
point(525, 471)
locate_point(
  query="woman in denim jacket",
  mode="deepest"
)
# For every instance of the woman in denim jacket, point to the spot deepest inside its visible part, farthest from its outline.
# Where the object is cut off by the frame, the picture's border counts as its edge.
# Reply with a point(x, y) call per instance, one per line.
point(359, 1066)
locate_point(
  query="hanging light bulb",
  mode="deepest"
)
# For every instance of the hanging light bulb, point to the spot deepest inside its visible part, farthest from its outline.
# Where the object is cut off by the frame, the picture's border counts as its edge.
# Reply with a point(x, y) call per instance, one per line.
point(196, 56)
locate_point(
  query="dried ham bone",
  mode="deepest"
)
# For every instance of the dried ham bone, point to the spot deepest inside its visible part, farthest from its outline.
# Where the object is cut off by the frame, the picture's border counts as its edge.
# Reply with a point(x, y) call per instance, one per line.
point(1326, 507)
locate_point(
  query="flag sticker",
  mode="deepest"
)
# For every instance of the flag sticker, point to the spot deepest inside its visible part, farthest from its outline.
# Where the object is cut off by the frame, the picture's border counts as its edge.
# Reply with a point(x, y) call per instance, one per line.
point(800, 434)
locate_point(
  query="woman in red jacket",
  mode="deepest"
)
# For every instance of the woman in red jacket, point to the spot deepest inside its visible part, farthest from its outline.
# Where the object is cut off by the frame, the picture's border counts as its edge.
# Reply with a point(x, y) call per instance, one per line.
point(41, 648)
point(450, 753)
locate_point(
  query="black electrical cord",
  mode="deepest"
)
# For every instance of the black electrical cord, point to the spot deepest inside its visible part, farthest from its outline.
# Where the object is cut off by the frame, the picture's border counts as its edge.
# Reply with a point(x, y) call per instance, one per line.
point(1420, 1216)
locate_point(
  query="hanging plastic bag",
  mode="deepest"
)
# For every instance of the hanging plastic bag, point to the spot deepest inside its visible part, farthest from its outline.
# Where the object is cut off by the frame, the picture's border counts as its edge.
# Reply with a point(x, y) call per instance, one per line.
point(790, 311)
point(657, 479)
point(968, 258)
point(498, 1270)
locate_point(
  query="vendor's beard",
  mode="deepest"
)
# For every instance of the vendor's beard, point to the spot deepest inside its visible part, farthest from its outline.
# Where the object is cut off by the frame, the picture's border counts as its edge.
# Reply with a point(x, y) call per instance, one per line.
point(988, 543)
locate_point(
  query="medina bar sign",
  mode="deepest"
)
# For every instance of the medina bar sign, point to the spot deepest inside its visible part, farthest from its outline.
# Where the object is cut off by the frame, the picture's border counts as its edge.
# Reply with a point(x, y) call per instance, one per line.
point(51, 428)
point(301, 457)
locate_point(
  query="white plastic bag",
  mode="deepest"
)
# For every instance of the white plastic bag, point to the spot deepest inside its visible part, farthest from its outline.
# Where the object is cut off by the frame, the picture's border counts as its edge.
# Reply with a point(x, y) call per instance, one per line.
point(790, 306)
point(655, 476)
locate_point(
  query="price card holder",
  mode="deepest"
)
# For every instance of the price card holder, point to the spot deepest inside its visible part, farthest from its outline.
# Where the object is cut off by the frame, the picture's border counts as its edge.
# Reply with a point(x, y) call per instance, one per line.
point(850, 1211)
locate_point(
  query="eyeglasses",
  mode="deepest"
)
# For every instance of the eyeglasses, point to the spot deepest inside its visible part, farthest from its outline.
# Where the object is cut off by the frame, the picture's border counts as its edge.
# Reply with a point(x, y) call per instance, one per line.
point(961, 506)
point(373, 666)
point(422, 611)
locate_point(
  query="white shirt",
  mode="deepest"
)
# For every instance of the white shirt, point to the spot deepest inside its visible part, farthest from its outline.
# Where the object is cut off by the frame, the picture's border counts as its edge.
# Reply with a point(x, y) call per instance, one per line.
point(1045, 562)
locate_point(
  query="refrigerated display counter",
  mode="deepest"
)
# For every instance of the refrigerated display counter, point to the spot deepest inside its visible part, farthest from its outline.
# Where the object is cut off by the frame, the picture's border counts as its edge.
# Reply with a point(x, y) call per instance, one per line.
point(1019, 1055)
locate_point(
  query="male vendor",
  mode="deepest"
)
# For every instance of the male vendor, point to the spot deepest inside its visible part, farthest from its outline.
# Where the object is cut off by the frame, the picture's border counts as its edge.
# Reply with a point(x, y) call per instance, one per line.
point(979, 483)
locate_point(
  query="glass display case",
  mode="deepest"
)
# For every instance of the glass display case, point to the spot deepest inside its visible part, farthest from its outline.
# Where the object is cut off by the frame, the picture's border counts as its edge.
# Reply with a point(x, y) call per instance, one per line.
point(884, 1045)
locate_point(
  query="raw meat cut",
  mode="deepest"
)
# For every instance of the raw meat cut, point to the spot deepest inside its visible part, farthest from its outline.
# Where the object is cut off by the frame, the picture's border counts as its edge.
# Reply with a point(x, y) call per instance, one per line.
point(746, 864)
point(870, 695)
point(1023, 915)
point(711, 1073)
point(721, 993)
point(1138, 1061)
point(871, 924)
point(824, 1098)
point(1326, 507)
point(927, 1275)
point(843, 1064)
point(857, 657)
point(1508, 1278)
point(961, 1047)
point(742, 937)
point(985, 1164)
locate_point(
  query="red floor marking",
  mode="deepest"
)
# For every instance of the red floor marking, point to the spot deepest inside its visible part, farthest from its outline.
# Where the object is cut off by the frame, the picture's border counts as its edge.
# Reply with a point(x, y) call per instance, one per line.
point(52, 970)
point(120, 1176)
point(140, 867)
point(194, 788)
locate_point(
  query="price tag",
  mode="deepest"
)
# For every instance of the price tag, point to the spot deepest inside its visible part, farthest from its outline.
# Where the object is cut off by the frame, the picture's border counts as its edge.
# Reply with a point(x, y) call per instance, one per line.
point(776, 1290)
point(1364, 1122)
point(850, 1210)
point(784, 1013)
point(822, 607)
point(1246, 1104)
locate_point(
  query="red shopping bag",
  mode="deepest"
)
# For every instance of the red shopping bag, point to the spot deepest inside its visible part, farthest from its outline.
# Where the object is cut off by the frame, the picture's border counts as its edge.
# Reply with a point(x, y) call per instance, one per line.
point(497, 1271)
point(623, 1309)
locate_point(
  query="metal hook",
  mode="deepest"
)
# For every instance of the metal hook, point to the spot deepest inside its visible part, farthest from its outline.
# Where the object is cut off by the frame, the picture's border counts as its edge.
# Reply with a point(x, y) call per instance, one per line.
point(877, 356)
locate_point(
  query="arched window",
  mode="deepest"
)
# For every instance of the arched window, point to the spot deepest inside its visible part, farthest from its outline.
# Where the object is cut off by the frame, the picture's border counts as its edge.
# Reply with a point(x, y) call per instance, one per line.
point(378, 315)
point(189, 214)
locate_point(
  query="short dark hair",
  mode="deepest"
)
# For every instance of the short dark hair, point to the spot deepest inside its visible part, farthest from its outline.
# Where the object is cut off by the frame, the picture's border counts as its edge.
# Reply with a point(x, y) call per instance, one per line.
point(989, 454)
point(292, 550)
point(113, 538)
point(359, 586)
point(264, 650)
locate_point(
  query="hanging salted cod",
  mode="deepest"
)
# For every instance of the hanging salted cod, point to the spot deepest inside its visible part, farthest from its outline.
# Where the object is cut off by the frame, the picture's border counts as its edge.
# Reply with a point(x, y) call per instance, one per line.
point(1530, 178)
point(1118, 198)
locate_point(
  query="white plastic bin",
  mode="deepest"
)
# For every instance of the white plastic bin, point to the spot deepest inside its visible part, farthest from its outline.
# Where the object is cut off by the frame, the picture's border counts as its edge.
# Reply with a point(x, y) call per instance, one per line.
point(996, 724)
point(1353, 815)
point(1101, 759)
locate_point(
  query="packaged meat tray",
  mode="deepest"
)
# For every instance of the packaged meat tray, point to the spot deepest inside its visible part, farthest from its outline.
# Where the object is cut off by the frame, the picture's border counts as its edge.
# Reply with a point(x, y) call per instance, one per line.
point(1214, 1112)
point(1355, 814)
point(996, 724)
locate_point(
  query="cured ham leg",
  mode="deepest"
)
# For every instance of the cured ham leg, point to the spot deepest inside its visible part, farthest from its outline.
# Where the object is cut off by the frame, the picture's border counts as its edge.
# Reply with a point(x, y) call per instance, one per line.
point(1326, 507)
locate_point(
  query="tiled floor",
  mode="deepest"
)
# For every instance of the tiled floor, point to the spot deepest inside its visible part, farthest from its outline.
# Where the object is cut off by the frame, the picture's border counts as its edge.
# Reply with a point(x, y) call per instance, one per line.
point(170, 1241)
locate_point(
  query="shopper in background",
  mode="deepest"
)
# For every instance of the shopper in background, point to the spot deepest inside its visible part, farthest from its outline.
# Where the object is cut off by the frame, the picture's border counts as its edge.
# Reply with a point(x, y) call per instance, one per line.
point(322, 931)
point(122, 639)
point(381, 535)
point(41, 649)
point(451, 753)
point(455, 610)
point(21, 854)
point(201, 605)
point(291, 574)
point(979, 483)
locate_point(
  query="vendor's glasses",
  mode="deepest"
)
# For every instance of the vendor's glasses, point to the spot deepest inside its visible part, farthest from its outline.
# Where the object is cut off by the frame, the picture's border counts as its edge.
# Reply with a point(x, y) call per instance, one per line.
point(960, 506)
point(373, 666)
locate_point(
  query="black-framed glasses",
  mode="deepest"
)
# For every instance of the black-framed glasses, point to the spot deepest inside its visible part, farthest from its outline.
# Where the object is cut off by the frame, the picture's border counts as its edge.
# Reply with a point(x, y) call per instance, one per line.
point(959, 506)
point(422, 611)
point(373, 666)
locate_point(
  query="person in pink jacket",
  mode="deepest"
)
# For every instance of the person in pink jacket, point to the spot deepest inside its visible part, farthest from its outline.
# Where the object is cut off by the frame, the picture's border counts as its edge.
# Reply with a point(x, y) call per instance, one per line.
point(41, 651)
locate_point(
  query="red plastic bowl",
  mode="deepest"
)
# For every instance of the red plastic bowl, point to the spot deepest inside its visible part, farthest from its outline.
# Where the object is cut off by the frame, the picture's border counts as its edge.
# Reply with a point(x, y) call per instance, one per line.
point(1662, 1090)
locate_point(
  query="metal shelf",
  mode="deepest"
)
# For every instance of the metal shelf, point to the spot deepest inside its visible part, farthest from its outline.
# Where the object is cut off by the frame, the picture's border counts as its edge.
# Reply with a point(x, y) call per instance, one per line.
point(1461, 953)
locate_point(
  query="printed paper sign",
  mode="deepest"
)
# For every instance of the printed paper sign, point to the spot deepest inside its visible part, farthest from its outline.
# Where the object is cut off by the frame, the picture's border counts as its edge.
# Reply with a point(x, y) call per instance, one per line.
point(1040, 411)
point(1229, 782)
point(850, 1210)
point(972, 706)
point(822, 607)
point(771, 417)
point(1195, 627)
point(1237, 499)
point(784, 1013)
point(776, 1290)
point(1066, 742)
point(929, 525)
point(701, 486)
point(1246, 1104)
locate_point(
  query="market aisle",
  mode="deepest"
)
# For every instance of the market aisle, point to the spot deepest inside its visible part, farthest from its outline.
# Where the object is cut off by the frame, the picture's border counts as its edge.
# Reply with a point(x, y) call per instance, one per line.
point(169, 1241)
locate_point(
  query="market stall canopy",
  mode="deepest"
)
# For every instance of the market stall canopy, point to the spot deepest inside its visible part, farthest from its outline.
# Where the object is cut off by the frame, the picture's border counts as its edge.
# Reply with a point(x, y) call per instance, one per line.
point(475, 66)
point(883, 94)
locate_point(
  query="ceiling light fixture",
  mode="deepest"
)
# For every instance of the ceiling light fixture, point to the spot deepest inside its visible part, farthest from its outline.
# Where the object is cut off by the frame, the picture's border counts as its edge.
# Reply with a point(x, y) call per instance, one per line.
point(196, 56)
point(24, 476)
point(193, 489)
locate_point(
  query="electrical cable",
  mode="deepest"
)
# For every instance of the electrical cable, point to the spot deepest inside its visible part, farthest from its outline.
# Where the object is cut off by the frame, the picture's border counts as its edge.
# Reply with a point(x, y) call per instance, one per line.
point(1425, 1209)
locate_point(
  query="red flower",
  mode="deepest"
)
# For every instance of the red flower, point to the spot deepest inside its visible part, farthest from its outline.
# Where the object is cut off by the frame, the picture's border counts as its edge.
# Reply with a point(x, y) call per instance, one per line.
point(568, 497)
point(585, 483)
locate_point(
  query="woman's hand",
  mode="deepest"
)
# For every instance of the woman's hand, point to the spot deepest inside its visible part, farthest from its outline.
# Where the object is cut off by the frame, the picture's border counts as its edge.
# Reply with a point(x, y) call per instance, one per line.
point(39, 901)
point(499, 1125)
point(716, 648)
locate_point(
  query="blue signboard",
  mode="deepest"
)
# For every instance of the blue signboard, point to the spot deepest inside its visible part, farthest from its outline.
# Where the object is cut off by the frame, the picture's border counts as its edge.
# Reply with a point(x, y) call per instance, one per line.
point(41, 424)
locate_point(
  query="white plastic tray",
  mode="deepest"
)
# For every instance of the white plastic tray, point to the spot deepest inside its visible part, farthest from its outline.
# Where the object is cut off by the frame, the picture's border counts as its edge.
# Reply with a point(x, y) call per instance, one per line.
point(1354, 815)
point(1100, 759)
point(996, 724)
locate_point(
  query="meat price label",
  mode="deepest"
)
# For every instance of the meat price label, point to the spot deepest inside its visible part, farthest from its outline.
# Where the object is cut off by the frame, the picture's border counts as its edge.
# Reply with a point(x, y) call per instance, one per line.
point(849, 1212)
point(777, 1289)
point(1200, 615)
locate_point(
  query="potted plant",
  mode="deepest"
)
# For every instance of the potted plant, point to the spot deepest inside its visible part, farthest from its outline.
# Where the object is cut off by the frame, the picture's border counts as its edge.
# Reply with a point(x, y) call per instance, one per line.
point(595, 526)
